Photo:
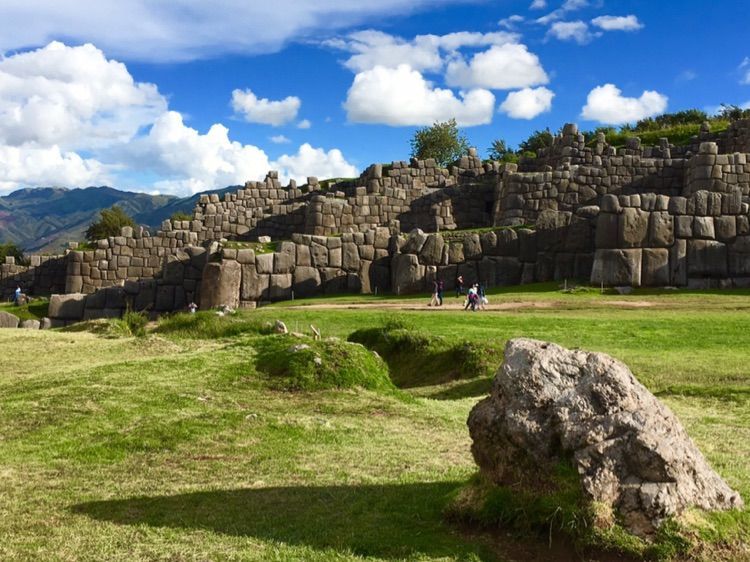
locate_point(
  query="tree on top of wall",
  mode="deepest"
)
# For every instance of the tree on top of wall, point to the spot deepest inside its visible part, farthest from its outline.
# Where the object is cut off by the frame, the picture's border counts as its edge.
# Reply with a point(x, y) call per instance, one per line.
point(443, 141)
point(109, 224)
point(10, 249)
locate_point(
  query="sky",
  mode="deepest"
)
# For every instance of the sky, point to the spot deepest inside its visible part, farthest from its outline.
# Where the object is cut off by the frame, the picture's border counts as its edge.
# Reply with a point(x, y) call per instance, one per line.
point(183, 96)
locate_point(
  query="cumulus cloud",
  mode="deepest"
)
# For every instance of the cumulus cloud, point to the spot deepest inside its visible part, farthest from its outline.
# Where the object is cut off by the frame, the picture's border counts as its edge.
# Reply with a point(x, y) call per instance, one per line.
point(371, 48)
point(304, 124)
point(527, 103)
point(402, 96)
point(511, 21)
point(502, 67)
point(162, 30)
point(263, 110)
point(617, 23)
point(30, 165)
point(577, 31)
point(317, 162)
point(73, 97)
point(568, 6)
point(538, 5)
point(606, 104)
point(279, 139)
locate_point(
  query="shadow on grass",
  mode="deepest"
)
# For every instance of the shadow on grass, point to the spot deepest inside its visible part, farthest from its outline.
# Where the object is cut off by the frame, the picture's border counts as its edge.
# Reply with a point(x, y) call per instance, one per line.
point(469, 389)
point(386, 521)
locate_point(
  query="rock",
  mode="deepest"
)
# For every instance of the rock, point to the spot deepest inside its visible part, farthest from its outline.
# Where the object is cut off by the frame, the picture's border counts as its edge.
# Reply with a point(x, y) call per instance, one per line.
point(8, 320)
point(45, 324)
point(414, 242)
point(407, 274)
point(306, 281)
point(67, 307)
point(280, 328)
point(550, 405)
point(616, 267)
point(30, 324)
point(221, 285)
point(264, 239)
point(432, 250)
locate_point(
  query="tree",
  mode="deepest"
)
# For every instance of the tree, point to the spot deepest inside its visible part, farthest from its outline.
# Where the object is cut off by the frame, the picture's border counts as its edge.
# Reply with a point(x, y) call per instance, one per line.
point(10, 249)
point(443, 142)
point(499, 151)
point(733, 112)
point(536, 141)
point(109, 224)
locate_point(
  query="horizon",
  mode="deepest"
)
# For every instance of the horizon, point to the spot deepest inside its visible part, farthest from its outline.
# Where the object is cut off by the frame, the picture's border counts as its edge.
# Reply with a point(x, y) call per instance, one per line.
point(145, 100)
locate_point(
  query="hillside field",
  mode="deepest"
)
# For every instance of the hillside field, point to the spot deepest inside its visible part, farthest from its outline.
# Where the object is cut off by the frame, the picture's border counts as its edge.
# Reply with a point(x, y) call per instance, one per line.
point(188, 444)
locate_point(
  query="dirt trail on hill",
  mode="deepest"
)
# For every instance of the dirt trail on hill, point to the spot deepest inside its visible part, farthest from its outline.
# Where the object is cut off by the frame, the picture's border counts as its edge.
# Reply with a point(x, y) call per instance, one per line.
point(457, 305)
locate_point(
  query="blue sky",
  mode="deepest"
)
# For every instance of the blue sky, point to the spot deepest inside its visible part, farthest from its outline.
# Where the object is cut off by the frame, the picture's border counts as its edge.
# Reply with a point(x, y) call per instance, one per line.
point(183, 96)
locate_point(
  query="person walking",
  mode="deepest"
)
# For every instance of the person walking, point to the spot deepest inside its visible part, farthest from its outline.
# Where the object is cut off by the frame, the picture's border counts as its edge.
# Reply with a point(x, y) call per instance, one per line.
point(440, 288)
point(471, 299)
point(435, 301)
point(459, 286)
point(482, 297)
point(17, 296)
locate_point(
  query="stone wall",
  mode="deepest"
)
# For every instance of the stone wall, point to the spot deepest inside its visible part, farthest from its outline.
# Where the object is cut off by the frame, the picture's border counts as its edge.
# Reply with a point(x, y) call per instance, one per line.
point(43, 276)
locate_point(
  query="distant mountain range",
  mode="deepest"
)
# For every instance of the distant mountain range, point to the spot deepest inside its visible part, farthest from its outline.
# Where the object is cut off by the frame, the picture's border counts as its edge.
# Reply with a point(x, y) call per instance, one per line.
point(45, 219)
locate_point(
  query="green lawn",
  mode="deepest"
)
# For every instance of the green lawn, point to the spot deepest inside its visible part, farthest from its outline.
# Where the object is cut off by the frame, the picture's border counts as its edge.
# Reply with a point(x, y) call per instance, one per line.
point(177, 447)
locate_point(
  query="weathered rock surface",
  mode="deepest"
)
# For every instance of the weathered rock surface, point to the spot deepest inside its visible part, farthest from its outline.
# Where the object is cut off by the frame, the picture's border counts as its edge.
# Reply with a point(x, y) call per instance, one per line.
point(549, 404)
point(221, 284)
point(8, 320)
point(67, 307)
point(30, 324)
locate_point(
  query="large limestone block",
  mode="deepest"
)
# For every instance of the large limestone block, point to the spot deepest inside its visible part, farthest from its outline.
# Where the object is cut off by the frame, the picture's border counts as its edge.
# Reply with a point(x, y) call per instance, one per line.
point(280, 287)
point(407, 274)
point(306, 281)
point(507, 271)
point(414, 242)
point(350, 257)
point(507, 242)
point(707, 258)
point(655, 267)
point(455, 253)
point(67, 307)
point(264, 263)
point(550, 405)
point(254, 284)
point(633, 228)
point(30, 324)
point(615, 268)
point(221, 284)
point(661, 230)
point(678, 263)
point(472, 247)
point(8, 320)
point(432, 250)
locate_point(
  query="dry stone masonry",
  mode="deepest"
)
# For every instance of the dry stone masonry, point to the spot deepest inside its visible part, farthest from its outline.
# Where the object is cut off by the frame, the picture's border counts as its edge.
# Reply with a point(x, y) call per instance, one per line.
point(581, 211)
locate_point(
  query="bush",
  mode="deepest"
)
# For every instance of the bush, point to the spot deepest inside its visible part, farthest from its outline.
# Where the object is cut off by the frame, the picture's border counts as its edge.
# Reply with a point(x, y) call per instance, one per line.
point(136, 322)
point(442, 141)
point(294, 363)
point(10, 249)
point(109, 224)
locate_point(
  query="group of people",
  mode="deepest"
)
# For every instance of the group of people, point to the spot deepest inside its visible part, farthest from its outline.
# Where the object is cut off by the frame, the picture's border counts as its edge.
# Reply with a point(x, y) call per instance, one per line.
point(476, 299)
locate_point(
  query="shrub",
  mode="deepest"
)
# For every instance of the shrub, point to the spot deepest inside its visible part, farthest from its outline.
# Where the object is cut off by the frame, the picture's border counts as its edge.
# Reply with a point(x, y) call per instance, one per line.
point(10, 249)
point(136, 322)
point(109, 224)
point(442, 141)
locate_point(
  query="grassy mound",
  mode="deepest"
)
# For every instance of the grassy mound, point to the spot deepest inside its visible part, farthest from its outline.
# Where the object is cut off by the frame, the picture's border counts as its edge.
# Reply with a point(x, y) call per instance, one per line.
point(207, 325)
point(298, 363)
point(417, 358)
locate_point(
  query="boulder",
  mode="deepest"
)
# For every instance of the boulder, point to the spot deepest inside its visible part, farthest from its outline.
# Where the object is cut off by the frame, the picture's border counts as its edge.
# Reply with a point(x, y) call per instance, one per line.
point(432, 250)
point(550, 405)
point(306, 281)
point(407, 274)
point(30, 324)
point(414, 242)
point(617, 267)
point(8, 320)
point(67, 307)
point(254, 284)
point(221, 284)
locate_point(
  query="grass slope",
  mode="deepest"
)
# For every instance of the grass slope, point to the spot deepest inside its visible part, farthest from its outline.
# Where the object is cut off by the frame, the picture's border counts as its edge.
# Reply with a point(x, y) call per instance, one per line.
point(179, 446)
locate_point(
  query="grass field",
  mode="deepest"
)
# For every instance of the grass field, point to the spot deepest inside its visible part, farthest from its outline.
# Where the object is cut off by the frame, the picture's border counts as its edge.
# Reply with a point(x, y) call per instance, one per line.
point(181, 446)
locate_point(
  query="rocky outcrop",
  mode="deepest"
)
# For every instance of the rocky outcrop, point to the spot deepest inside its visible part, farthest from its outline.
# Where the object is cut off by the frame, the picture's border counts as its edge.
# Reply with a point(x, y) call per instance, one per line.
point(550, 405)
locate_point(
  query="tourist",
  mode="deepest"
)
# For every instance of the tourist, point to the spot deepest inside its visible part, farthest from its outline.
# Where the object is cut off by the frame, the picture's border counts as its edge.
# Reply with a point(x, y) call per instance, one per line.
point(482, 297)
point(17, 296)
point(459, 286)
point(435, 301)
point(471, 299)
point(192, 307)
point(440, 287)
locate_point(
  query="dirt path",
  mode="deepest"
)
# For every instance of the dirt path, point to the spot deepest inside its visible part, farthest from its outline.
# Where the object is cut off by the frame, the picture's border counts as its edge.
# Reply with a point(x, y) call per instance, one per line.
point(450, 304)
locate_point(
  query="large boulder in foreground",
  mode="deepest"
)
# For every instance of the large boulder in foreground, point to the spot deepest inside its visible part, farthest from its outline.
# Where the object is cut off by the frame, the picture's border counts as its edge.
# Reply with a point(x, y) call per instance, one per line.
point(8, 320)
point(549, 404)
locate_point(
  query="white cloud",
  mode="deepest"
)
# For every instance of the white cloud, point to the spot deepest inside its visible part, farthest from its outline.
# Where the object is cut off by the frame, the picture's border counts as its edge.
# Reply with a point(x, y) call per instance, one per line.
point(316, 162)
point(402, 96)
point(304, 124)
point(686, 76)
point(30, 165)
point(538, 5)
point(279, 139)
point(371, 48)
point(577, 31)
point(191, 162)
point(568, 6)
point(617, 23)
point(162, 30)
point(606, 104)
point(73, 97)
point(263, 110)
point(527, 103)
point(502, 67)
point(511, 21)
point(744, 69)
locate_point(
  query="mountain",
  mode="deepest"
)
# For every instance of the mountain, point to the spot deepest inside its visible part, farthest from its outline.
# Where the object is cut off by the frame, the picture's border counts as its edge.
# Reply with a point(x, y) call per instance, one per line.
point(45, 218)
